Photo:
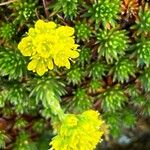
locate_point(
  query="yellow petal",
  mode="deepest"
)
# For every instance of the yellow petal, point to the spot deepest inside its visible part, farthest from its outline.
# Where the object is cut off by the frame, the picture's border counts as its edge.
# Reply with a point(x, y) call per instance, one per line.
point(25, 46)
point(56, 61)
point(74, 54)
point(65, 31)
point(51, 25)
point(40, 27)
point(32, 64)
point(31, 32)
point(67, 64)
point(26, 52)
point(39, 24)
point(21, 45)
point(50, 64)
point(41, 69)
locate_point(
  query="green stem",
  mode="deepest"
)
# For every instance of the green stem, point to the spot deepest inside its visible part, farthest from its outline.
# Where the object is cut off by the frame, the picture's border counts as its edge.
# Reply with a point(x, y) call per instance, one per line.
point(54, 104)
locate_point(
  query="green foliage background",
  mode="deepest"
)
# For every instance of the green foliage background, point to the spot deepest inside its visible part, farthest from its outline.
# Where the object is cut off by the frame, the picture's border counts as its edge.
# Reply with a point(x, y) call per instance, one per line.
point(112, 74)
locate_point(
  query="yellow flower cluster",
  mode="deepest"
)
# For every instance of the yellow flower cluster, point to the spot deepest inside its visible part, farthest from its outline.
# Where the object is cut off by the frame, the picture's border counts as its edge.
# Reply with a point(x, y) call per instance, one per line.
point(47, 44)
point(79, 132)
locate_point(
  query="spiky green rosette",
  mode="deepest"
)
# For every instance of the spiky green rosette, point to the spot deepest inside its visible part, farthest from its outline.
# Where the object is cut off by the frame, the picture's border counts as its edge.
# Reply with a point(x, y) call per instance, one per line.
point(123, 69)
point(142, 103)
point(143, 51)
point(145, 79)
point(112, 43)
point(39, 125)
point(20, 124)
point(116, 123)
point(17, 96)
point(140, 99)
point(85, 56)
point(24, 10)
point(3, 138)
point(48, 91)
point(105, 12)
point(75, 75)
point(113, 99)
point(17, 68)
point(97, 70)
point(7, 112)
point(81, 101)
point(142, 25)
point(132, 91)
point(83, 31)
point(94, 85)
point(7, 31)
point(24, 142)
point(146, 110)
point(68, 7)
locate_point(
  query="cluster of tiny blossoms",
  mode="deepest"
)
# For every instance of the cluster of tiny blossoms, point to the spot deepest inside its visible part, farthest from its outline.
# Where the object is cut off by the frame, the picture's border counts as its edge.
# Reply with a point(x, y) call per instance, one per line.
point(79, 132)
point(47, 44)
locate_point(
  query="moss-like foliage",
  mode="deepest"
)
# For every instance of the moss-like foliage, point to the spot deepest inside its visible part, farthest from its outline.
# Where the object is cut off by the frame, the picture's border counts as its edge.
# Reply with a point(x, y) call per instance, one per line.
point(105, 12)
point(11, 63)
point(97, 70)
point(145, 79)
point(83, 31)
point(3, 138)
point(112, 43)
point(24, 142)
point(68, 7)
point(113, 99)
point(142, 25)
point(122, 70)
point(75, 75)
point(24, 10)
point(81, 101)
point(85, 56)
point(143, 54)
point(7, 31)
point(81, 55)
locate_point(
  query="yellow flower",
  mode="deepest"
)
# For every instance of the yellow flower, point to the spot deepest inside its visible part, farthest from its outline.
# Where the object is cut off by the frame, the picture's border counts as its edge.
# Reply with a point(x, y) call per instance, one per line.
point(48, 44)
point(79, 132)
point(71, 120)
